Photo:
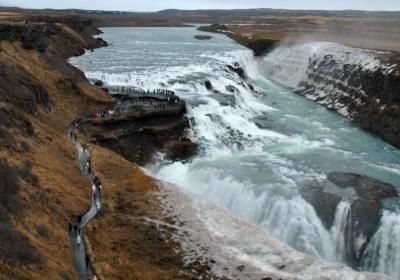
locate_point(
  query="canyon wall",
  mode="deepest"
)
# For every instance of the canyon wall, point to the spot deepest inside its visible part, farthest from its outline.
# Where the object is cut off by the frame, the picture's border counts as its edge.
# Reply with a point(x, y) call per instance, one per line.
point(362, 85)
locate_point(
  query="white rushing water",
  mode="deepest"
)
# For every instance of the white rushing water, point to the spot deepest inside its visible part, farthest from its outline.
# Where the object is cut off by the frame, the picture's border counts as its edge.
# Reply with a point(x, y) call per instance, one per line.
point(258, 150)
point(382, 252)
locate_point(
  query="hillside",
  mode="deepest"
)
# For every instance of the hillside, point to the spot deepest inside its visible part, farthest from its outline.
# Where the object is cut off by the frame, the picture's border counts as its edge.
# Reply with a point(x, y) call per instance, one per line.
point(42, 188)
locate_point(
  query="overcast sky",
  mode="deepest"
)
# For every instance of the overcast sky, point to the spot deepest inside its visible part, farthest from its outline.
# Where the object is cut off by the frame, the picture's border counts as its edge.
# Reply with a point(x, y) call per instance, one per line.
point(155, 5)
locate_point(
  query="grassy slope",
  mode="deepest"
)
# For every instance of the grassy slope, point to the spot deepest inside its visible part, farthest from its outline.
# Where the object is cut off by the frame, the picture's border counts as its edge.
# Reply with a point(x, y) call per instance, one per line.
point(124, 247)
point(61, 192)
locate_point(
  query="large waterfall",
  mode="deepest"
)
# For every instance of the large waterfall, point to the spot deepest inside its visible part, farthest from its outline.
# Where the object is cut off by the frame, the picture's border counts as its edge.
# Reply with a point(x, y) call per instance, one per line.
point(261, 146)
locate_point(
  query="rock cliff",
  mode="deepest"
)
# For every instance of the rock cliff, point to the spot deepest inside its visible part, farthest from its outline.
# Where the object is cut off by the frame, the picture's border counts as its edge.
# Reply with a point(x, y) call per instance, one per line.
point(362, 85)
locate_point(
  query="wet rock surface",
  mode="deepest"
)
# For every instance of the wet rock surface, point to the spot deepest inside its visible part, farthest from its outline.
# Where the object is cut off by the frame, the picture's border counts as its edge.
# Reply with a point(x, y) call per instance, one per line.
point(369, 98)
point(324, 203)
point(365, 210)
point(261, 46)
point(202, 37)
point(365, 187)
point(237, 69)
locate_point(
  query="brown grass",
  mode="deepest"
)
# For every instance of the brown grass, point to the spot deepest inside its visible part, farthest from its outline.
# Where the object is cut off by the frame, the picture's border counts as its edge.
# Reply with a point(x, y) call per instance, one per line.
point(369, 33)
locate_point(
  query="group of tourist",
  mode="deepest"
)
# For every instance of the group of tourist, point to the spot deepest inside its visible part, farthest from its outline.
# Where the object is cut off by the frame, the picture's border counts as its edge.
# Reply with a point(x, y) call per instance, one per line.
point(76, 230)
point(104, 114)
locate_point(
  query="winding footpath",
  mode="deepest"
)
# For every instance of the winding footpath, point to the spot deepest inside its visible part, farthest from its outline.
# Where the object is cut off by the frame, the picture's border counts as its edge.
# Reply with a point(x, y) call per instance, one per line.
point(82, 260)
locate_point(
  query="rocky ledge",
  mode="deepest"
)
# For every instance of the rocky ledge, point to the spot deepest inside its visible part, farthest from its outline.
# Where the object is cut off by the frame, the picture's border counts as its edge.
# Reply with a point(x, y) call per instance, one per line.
point(141, 124)
point(36, 33)
point(260, 46)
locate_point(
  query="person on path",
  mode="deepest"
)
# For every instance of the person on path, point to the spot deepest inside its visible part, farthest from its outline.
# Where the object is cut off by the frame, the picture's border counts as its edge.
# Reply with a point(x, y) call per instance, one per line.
point(78, 240)
point(96, 180)
point(88, 165)
point(87, 260)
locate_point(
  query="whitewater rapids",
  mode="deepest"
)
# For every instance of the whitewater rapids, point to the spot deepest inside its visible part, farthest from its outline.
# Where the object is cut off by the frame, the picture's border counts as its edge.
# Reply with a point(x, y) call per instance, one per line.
point(258, 149)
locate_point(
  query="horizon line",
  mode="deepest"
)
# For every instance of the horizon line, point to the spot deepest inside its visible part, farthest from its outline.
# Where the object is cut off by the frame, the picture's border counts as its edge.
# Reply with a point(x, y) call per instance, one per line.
point(207, 9)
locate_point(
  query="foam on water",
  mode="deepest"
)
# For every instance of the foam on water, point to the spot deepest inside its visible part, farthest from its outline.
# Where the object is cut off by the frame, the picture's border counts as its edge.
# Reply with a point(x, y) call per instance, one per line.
point(258, 149)
point(234, 243)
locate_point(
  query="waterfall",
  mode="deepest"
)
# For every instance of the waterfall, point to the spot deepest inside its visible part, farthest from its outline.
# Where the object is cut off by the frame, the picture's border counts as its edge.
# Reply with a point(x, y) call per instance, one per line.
point(383, 252)
point(328, 73)
point(261, 144)
point(339, 231)
point(292, 65)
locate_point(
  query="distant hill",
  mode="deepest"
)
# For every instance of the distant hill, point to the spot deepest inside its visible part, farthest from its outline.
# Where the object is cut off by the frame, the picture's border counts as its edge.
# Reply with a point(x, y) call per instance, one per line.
point(276, 12)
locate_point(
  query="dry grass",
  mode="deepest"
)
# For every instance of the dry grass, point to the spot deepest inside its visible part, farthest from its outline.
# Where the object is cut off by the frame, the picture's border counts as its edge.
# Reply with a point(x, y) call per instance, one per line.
point(124, 245)
point(369, 33)
point(57, 192)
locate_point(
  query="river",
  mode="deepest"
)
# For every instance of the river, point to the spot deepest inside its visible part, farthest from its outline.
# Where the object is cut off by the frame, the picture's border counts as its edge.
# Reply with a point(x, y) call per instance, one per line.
point(259, 148)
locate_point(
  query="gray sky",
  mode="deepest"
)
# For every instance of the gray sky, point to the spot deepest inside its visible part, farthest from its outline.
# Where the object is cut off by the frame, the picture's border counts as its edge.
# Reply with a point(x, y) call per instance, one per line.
point(155, 5)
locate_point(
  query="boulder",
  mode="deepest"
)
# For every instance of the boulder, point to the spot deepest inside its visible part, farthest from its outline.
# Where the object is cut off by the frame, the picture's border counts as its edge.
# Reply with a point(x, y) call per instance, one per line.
point(180, 149)
point(98, 83)
point(231, 88)
point(365, 187)
point(203, 37)
point(208, 85)
point(224, 99)
point(324, 203)
point(238, 70)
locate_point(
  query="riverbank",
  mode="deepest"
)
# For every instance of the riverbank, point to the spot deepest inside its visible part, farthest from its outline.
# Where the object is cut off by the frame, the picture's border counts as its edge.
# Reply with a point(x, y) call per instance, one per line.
point(40, 95)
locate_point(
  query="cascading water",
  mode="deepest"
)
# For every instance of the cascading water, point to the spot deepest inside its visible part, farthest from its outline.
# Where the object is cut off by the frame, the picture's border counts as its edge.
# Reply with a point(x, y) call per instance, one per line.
point(259, 149)
point(382, 254)
point(339, 230)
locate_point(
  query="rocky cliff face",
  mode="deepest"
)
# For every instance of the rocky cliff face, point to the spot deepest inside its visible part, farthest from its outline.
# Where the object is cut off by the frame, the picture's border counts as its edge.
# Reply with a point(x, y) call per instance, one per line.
point(258, 45)
point(38, 32)
point(362, 85)
point(137, 130)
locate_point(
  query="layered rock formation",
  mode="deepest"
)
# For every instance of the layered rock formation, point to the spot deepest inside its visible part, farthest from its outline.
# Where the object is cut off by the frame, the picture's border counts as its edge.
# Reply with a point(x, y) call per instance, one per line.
point(143, 125)
point(362, 85)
